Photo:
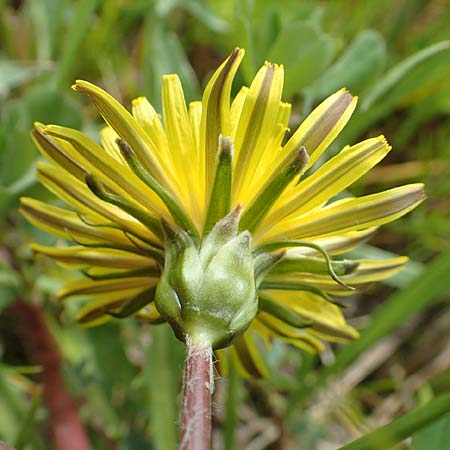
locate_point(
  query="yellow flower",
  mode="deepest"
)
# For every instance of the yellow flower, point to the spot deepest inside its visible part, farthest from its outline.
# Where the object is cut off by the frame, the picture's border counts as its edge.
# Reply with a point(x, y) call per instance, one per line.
point(181, 174)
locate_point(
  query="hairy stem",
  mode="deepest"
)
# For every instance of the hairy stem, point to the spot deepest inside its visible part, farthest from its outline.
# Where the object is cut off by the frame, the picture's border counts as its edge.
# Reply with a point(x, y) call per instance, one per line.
point(196, 402)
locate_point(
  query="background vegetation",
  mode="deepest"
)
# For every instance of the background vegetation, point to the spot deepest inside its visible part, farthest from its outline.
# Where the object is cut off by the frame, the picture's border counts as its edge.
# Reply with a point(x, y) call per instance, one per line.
point(122, 379)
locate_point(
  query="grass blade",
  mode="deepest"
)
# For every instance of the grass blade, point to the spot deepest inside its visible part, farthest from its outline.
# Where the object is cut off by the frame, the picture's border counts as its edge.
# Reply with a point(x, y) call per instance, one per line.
point(391, 434)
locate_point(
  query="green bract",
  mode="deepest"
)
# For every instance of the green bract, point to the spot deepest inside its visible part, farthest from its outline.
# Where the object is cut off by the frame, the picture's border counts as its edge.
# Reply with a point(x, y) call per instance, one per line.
point(208, 292)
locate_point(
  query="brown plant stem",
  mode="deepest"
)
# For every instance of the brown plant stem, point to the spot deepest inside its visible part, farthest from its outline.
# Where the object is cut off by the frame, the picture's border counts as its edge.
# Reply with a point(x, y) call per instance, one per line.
point(66, 429)
point(195, 433)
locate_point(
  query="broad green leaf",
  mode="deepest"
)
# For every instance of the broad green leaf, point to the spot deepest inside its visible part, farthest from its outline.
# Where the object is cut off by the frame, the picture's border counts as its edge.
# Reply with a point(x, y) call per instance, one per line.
point(394, 75)
point(204, 14)
point(358, 65)
point(163, 53)
point(411, 82)
point(38, 104)
point(434, 436)
point(16, 73)
point(304, 61)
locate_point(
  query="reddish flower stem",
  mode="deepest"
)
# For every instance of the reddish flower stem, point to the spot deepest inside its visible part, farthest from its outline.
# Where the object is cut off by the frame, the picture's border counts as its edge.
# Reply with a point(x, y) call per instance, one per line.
point(198, 386)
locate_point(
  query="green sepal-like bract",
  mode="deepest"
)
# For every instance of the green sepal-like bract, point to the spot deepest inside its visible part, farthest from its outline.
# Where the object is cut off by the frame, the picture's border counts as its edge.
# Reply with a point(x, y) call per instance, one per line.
point(208, 292)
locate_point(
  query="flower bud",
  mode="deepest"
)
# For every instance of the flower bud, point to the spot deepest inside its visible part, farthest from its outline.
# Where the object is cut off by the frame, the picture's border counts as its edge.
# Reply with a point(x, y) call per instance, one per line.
point(208, 292)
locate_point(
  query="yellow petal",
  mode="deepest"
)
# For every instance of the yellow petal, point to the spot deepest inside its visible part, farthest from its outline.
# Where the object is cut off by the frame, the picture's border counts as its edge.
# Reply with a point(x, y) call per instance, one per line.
point(368, 271)
point(288, 333)
point(350, 214)
point(77, 195)
point(182, 148)
point(216, 115)
point(322, 126)
point(249, 360)
point(79, 257)
point(144, 113)
point(100, 311)
point(126, 126)
point(323, 314)
point(151, 122)
point(121, 287)
point(106, 168)
point(236, 110)
point(95, 313)
point(331, 178)
point(271, 155)
point(257, 125)
point(67, 224)
point(108, 138)
point(195, 117)
point(336, 245)
point(150, 314)
point(63, 156)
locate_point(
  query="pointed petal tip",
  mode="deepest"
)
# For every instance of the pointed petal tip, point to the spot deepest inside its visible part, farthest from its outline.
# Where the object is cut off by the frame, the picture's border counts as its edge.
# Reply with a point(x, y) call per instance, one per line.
point(419, 190)
point(78, 85)
point(302, 158)
point(82, 84)
point(170, 77)
point(237, 52)
point(352, 99)
point(25, 201)
point(125, 149)
point(139, 99)
point(384, 141)
point(237, 210)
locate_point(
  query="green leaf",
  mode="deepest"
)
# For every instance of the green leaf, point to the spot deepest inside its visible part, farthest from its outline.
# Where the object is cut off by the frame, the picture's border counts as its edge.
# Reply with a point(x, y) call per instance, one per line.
point(393, 433)
point(163, 373)
point(232, 405)
point(42, 104)
point(436, 435)
point(359, 64)
point(25, 433)
point(394, 75)
point(304, 61)
point(205, 15)
point(15, 73)
point(75, 35)
point(163, 53)
point(412, 82)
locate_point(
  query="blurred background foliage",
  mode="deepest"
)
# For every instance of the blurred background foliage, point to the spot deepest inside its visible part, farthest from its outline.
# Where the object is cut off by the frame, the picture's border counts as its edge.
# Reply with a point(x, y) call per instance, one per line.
point(122, 379)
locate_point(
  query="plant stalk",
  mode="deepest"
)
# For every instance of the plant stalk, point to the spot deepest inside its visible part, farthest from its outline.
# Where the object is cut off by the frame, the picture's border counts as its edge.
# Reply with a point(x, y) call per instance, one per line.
point(198, 385)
